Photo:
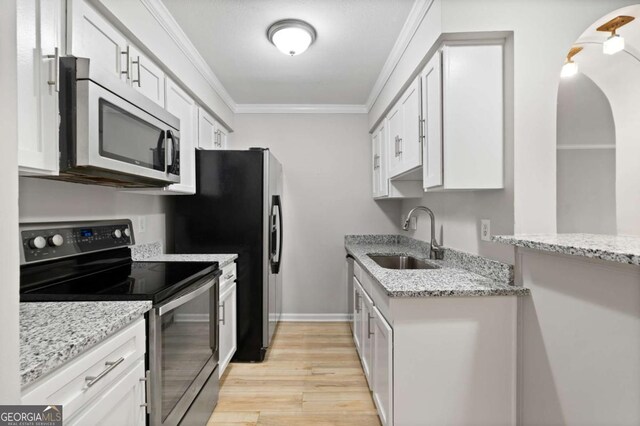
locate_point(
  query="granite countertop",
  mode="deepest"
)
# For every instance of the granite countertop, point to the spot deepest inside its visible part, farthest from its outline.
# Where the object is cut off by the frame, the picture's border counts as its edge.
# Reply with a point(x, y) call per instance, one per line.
point(52, 333)
point(152, 252)
point(459, 274)
point(614, 248)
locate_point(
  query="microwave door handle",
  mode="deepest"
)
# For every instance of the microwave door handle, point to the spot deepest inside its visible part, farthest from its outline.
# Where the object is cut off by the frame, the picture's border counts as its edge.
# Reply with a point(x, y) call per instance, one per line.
point(161, 152)
point(168, 152)
point(173, 153)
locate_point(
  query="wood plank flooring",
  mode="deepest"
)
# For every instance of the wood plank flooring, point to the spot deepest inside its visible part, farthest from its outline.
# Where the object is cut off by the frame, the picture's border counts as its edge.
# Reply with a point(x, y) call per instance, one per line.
point(312, 376)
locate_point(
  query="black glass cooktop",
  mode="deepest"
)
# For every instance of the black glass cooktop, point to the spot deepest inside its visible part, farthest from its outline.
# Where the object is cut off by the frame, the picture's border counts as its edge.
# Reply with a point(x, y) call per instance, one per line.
point(115, 278)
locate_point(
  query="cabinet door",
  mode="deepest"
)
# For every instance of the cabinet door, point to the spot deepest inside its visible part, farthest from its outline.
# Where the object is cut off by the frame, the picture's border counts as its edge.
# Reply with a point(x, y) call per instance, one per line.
point(184, 107)
point(432, 123)
point(228, 327)
point(375, 164)
point(473, 116)
point(221, 137)
point(367, 338)
point(357, 316)
point(411, 141)
point(120, 404)
point(206, 130)
point(146, 77)
point(382, 369)
point(90, 35)
point(39, 45)
point(394, 139)
point(379, 152)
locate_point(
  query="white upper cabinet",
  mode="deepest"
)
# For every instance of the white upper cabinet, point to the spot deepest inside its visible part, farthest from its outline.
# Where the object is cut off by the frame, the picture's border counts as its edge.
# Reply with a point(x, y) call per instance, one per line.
point(431, 78)
point(411, 141)
point(379, 161)
point(39, 45)
point(211, 134)
point(90, 35)
point(180, 104)
point(404, 141)
point(473, 116)
point(146, 77)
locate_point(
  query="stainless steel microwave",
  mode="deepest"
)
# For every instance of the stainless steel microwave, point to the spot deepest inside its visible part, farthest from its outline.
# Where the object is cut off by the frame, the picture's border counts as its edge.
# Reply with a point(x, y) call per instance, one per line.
point(110, 134)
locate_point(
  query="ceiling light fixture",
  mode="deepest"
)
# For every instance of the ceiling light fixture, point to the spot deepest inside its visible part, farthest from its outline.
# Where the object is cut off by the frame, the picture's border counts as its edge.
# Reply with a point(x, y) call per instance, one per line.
point(615, 42)
point(291, 36)
point(570, 68)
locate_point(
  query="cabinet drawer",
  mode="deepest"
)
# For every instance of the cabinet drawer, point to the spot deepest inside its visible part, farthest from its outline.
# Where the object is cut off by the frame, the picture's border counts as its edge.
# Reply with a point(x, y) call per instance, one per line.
point(69, 385)
point(229, 275)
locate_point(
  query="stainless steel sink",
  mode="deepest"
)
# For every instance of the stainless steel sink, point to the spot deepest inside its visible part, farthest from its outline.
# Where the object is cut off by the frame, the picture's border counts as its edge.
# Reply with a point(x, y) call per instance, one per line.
point(395, 261)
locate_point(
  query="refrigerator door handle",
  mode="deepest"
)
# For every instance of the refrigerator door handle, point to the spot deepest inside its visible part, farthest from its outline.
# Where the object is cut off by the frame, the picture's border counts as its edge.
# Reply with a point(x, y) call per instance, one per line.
point(276, 234)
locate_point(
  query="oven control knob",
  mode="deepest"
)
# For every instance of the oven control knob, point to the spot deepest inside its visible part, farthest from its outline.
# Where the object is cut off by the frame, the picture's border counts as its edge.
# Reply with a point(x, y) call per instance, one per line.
point(37, 243)
point(117, 233)
point(55, 240)
point(127, 233)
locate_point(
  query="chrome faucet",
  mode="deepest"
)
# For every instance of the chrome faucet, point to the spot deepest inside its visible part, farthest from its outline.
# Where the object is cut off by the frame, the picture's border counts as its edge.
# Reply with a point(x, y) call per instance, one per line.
point(436, 252)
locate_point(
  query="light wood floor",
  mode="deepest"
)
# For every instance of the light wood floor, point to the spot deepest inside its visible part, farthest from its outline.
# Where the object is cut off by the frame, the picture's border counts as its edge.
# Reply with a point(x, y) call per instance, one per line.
point(312, 376)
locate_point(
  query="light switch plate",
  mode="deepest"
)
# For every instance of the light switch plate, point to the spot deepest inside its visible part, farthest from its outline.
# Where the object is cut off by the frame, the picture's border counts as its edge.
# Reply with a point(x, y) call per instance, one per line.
point(485, 230)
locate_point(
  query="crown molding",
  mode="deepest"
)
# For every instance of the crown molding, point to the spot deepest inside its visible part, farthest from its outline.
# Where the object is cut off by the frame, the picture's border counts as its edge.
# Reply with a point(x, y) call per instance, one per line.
point(168, 22)
point(417, 13)
point(300, 109)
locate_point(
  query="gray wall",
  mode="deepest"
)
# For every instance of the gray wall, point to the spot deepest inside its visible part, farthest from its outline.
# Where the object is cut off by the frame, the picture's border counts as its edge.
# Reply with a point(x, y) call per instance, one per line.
point(586, 191)
point(47, 200)
point(327, 194)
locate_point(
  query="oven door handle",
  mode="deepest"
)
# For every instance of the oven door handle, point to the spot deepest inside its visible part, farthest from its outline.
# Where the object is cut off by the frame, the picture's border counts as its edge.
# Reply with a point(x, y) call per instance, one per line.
point(186, 298)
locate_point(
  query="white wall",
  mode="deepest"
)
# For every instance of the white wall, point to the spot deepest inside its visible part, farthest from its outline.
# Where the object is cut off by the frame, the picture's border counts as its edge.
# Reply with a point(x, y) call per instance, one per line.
point(9, 255)
point(47, 200)
point(586, 188)
point(327, 194)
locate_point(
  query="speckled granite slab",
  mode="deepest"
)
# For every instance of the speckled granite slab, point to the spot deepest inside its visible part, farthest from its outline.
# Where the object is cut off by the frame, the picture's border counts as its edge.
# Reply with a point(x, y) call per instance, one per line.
point(458, 274)
point(53, 333)
point(144, 251)
point(615, 248)
point(152, 252)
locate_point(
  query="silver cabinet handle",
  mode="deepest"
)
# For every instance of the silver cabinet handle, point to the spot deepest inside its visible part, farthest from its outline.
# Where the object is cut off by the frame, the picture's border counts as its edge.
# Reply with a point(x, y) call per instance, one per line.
point(224, 313)
point(369, 332)
point(228, 276)
point(376, 162)
point(137, 62)
point(399, 146)
point(55, 81)
point(420, 129)
point(92, 380)
point(126, 71)
point(147, 385)
point(357, 302)
point(396, 146)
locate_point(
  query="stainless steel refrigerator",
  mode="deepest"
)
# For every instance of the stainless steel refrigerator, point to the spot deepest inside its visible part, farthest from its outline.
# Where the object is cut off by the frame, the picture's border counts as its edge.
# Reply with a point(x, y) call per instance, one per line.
point(238, 209)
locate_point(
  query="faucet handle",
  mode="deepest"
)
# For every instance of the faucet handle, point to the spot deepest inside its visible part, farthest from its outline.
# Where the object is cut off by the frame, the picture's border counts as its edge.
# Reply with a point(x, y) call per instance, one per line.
point(437, 253)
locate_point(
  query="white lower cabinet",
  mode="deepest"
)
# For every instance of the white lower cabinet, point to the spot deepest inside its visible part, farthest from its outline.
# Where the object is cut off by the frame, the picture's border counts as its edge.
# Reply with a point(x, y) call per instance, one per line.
point(228, 325)
point(121, 404)
point(382, 368)
point(357, 315)
point(104, 386)
point(366, 337)
point(436, 360)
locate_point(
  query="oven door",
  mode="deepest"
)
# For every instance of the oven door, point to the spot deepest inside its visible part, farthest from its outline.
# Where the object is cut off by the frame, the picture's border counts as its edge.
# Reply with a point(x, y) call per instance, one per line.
point(116, 135)
point(183, 350)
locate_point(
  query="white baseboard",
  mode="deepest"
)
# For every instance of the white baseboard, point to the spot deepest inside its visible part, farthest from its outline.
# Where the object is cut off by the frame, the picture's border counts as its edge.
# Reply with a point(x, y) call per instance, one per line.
point(315, 317)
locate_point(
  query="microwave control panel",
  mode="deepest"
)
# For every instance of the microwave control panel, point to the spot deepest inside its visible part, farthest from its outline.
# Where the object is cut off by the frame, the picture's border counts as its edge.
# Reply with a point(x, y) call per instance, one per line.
point(41, 242)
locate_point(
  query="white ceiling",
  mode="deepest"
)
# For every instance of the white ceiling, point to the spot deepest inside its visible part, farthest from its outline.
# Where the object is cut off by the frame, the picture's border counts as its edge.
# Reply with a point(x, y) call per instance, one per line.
point(354, 39)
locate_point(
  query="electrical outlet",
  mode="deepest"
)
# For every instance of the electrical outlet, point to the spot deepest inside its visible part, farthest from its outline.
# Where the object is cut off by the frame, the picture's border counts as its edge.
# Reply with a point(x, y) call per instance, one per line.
point(142, 224)
point(485, 230)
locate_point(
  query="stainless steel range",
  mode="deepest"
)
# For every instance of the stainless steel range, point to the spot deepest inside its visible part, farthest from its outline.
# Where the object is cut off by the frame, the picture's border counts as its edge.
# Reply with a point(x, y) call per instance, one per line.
point(85, 261)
